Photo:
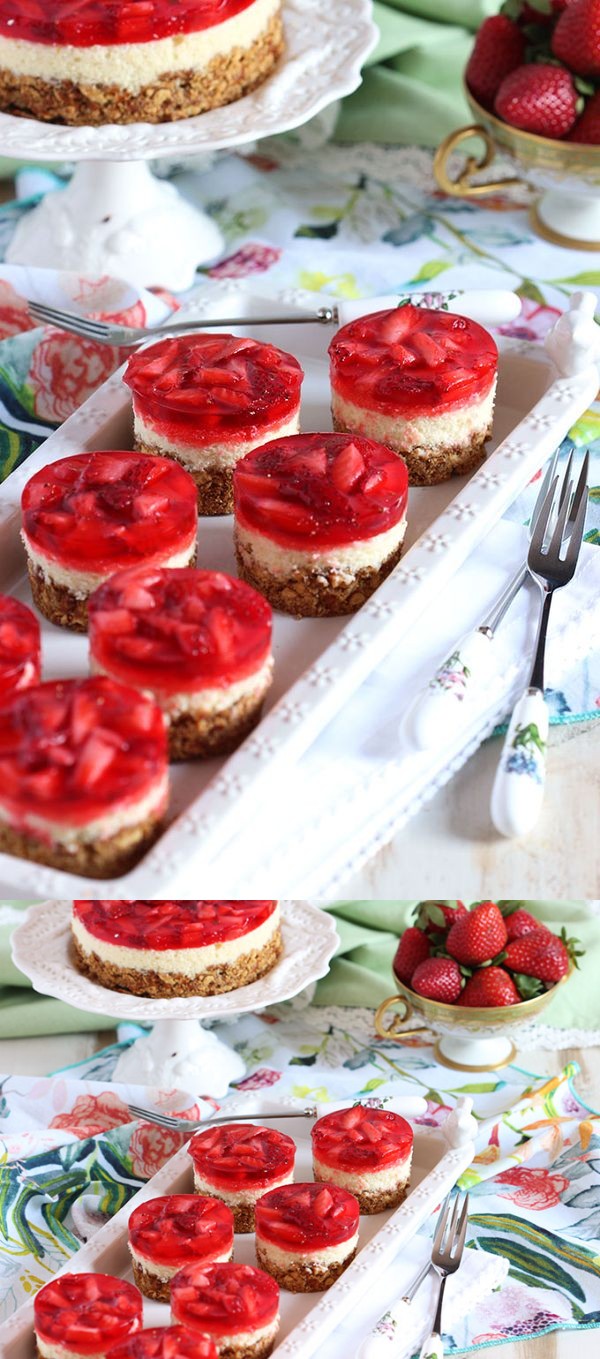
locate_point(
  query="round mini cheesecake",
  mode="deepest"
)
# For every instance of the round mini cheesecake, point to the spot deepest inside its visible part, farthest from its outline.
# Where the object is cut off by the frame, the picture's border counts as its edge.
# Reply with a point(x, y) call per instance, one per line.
point(20, 647)
point(198, 641)
point(133, 61)
point(319, 521)
point(206, 400)
point(94, 513)
point(83, 775)
point(80, 1316)
point(306, 1235)
point(237, 1305)
point(367, 1151)
point(239, 1162)
point(422, 382)
point(166, 1342)
point(167, 1233)
point(176, 948)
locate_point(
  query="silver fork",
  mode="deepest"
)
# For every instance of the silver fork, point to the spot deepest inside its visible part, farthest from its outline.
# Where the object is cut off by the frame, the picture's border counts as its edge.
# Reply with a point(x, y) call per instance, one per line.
point(518, 791)
point(129, 337)
point(446, 1255)
point(192, 1124)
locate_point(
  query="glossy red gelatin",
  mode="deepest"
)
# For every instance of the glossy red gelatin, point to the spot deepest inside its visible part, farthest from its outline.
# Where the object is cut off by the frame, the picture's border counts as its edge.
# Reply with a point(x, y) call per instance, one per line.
point(242, 1156)
point(361, 1139)
point(87, 1313)
point(103, 511)
point(20, 647)
point(224, 1300)
point(65, 23)
point(179, 630)
point(307, 1217)
point(171, 924)
point(203, 388)
point(72, 750)
point(181, 1227)
point(167, 1342)
point(412, 361)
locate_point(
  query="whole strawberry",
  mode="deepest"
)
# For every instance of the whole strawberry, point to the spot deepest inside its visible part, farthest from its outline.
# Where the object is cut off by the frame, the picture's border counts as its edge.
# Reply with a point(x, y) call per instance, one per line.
point(438, 979)
point(576, 38)
point(490, 986)
point(478, 935)
point(587, 127)
point(435, 917)
point(540, 99)
point(499, 48)
point(412, 950)
point(542, 955)
point(519, 922)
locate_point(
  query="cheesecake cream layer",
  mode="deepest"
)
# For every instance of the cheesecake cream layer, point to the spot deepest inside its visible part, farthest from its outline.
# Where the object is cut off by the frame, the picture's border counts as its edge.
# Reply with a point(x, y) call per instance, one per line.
point(187, 962)
point(81, 583)
point(204, 457)
point(238, 1196)
point(451, 428)
point(132, 65)
point(242, 1339)
point(167, 1272)
point(355, 1181)
point(329, 1255)
point(51, 1351)
point(344, 561)
point(71, 838)
point(200, 702)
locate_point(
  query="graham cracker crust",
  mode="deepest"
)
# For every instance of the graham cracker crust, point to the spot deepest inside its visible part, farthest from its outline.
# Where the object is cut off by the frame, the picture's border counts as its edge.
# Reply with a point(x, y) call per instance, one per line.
point(150, 1284)
point(174, 95)
point(98, 859)
point(427, 467)
point(298, 1277)
point(243, 1213)
point(212, 982)
point(258, 1350)
point(372, 1200)
point(215, 484)
point(316, 593)
point(201, 735)
point(59, 605)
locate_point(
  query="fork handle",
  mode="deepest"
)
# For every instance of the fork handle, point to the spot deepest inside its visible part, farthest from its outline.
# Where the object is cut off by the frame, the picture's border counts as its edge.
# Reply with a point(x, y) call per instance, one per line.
point(432, 1347)
point(518, 791)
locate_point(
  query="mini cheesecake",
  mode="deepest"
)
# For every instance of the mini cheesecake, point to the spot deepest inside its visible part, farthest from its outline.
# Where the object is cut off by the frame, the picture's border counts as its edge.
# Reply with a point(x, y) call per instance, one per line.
point(422, 382)
point(306, 1235)
point(319, 521)
point(166, 1342)
point(206, 400)
point(83, 1316)
point(237, 1305)
point(83, 775)
point(167, 1233)
point(88, 515)
point(133, 61)
point(20, 647)
point(198, 641)
point(239, 1162)
point(176, 948)
point(367, 1151)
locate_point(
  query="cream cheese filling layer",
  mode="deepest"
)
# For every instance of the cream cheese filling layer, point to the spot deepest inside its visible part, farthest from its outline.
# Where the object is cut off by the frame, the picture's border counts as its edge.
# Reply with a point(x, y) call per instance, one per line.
point(376, 1180)
point(187, 962)
point(101, 828)
point(167, 1272)
point(207, 457)
point(81, 583)
point(429, 432)
point(198, 702)
point(50, 1351)
point(131, 65)
point(241, 1339)
point(364, 554)
point(317, 1259)
point(238, 1196)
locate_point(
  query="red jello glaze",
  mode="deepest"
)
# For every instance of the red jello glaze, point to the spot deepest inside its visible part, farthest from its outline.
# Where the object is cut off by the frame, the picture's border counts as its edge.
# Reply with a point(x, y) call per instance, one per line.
point(307, 1217)
point(361, 1139)
point(72, 750)
point(87, 1313)
point(181, 1227)
point(312, 491)
point(172, 630)
point(67, 23)
point(198, 387)
point(224, 1300)
point(105, 510)
point(171, 924)
point(167, 1342)
point(20, 655)
point(412, 361)
point(242, 1156)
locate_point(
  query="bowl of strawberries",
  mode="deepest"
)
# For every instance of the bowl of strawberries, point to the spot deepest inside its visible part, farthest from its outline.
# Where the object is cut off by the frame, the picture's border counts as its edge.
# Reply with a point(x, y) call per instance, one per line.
point(533, 84)
point(477, 976)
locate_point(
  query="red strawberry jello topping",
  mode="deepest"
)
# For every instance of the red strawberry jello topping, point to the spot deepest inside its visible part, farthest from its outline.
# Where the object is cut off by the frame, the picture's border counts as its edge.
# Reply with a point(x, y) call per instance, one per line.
point(312, 491)
point(361, 1139)
point(240, 1155)
point(224, 1299)
point(166, 1342)
point(181, 1227)
point(412, 361)
point(171, 924)
point(72, 750)
point(20, 658)
point(105, 510)
point(87, 1313)
point(307, 1217)
point(198, 387)
point(172, 630)
point(67, 23)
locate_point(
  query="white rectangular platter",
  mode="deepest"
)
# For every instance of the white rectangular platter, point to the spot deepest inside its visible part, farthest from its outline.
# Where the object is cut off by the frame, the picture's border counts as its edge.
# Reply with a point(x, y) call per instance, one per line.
point(319, 663)
point(306, 1319)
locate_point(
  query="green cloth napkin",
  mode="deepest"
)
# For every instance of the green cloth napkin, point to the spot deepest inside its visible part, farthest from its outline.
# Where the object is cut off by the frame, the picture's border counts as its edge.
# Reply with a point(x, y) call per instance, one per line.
point(23, 1013)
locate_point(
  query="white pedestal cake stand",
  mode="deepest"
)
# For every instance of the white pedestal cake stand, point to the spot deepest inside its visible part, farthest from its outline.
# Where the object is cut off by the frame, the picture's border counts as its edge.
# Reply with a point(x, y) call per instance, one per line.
point(179, 1051)
point(116, 218)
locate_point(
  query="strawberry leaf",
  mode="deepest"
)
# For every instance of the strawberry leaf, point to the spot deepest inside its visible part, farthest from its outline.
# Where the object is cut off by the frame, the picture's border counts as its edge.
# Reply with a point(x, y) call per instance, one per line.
point(509, 907)
point(528, 987)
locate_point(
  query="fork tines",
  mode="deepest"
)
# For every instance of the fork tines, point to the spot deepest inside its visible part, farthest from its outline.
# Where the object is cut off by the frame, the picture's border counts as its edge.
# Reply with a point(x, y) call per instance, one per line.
point(562, 516)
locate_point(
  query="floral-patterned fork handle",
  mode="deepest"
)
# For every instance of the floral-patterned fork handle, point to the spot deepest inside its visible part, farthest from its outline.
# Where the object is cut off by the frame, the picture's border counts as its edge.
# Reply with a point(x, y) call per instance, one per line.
point(518, 791)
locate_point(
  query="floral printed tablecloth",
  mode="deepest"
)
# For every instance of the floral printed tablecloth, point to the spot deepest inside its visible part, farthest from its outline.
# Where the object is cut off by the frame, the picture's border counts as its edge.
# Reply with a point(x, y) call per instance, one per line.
point(69, 1157)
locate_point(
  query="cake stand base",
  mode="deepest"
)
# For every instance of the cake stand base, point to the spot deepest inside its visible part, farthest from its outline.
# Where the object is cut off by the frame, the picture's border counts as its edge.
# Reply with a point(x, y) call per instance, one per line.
point(116, 218)
point(570, 220)
point(180, 1053)
point(474, 1054)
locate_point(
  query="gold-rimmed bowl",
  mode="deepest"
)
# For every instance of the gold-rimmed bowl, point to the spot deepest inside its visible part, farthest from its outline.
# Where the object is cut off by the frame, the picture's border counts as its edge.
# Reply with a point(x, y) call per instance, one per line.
point(567, 174)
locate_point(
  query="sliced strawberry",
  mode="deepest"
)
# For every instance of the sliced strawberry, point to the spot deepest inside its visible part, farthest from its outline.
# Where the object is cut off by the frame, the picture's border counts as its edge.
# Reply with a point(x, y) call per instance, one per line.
point(224, 1299)
point(171, 1230)
point(20, 647)
point(223, 1160)
point(302, 1217)
point(348, 468)
point(166, 1342)
point(160, 925)
point(373, 1140)
point(81, 1312)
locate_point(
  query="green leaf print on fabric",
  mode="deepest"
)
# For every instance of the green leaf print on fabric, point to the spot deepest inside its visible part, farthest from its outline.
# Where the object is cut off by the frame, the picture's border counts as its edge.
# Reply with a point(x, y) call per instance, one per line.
point(517, 1246)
